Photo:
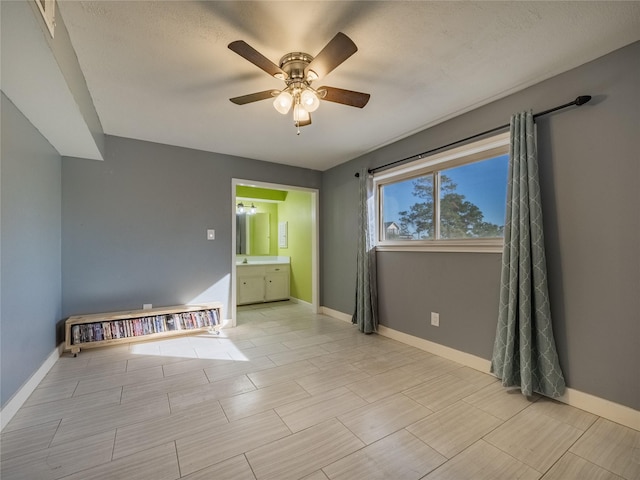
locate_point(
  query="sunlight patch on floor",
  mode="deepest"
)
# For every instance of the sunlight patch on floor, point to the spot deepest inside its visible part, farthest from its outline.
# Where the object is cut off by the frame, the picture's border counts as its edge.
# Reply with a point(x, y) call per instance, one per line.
point(204, 346)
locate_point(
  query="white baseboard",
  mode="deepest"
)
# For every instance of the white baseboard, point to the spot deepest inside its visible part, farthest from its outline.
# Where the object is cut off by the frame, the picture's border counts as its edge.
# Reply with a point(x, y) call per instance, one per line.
point(335, 314)
point(615, 412)
point(449, 353)
point(21, 396)
point(598, 406)
point(301, 302)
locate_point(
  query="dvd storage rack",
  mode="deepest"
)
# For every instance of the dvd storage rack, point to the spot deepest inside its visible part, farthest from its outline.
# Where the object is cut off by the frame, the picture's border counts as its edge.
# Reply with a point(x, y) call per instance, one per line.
point(101, 329)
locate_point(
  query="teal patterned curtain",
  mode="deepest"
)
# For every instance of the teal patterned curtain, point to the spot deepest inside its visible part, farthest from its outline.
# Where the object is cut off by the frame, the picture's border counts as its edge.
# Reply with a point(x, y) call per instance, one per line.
point(524, 353)
point(366, 312)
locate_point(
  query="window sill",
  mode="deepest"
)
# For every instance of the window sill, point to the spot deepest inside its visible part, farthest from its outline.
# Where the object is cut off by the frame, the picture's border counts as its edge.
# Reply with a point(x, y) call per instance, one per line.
point(464, 246)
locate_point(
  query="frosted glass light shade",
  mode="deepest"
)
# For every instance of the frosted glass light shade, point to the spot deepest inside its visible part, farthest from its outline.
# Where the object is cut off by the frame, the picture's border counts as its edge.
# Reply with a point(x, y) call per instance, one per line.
point(300, 115)
point(309, 101)
point(283, 102)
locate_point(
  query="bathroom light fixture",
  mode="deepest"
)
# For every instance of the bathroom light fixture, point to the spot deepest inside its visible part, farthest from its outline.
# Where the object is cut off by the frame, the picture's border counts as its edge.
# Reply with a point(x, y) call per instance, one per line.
point(240, 208)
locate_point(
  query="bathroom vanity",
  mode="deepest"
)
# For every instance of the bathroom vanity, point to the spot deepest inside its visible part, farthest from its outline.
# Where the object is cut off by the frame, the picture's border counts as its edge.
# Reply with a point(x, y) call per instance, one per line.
point(262, 279)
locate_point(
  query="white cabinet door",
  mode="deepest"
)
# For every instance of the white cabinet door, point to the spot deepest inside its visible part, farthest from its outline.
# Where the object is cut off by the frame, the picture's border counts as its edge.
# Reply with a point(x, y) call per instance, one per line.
point(250, 289)
point(276, 286)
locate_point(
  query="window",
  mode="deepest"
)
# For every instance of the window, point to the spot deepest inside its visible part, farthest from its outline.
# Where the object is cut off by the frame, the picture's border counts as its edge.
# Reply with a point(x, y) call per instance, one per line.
point(454, 200)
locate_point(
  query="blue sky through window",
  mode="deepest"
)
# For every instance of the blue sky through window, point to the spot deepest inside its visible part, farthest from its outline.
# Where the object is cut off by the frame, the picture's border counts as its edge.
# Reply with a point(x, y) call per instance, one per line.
point(482, 183)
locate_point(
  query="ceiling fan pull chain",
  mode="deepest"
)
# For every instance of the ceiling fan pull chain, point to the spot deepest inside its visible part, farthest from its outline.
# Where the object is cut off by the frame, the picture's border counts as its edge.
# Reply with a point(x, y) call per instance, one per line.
point(298, 127)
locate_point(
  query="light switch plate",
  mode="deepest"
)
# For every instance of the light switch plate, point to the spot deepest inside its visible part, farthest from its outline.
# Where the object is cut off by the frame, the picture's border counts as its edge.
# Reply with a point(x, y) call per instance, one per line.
point(211, 234)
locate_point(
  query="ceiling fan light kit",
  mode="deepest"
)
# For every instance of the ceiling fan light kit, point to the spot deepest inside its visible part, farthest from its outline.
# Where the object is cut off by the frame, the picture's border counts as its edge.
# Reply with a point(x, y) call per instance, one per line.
point(283, 102)
point(309, 100)
point(298, 70)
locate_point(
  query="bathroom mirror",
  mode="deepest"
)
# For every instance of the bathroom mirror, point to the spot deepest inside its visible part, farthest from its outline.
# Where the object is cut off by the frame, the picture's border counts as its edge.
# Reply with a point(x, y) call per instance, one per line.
point(252, 234)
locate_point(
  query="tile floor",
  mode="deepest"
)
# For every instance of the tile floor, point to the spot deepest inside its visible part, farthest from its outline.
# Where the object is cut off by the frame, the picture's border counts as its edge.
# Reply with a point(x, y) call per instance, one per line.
point(292, 395)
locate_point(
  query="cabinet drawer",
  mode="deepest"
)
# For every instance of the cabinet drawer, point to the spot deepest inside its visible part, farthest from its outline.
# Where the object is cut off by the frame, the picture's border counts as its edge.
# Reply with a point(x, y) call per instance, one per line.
point(249, 271)
point(277, 269)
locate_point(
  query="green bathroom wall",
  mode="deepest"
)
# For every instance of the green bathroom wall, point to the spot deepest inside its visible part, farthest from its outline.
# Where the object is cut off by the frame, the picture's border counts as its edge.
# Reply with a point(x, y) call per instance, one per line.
point(296, 211)
point(260, 193)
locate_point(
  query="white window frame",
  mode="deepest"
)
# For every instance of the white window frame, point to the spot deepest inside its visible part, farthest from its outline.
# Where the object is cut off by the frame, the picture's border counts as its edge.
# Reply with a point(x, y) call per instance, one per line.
point(480, 150)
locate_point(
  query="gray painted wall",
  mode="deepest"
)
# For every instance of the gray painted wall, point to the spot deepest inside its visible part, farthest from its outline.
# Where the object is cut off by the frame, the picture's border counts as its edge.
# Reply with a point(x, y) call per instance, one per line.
point(461, 287)
point(134, 226)
point(590, 176)
point(30, 246)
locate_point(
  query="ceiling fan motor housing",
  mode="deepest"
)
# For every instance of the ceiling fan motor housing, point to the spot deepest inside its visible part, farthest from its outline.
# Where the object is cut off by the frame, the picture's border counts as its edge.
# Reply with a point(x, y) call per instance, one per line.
point(293, 64)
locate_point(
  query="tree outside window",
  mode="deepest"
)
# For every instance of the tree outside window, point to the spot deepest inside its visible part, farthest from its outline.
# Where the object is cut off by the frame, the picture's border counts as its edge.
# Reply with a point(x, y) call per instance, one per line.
point(414, 207)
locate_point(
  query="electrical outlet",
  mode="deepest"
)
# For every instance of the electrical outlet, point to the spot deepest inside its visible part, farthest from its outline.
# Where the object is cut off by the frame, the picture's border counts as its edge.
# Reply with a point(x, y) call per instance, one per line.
point(435, 319)
point(147, 306)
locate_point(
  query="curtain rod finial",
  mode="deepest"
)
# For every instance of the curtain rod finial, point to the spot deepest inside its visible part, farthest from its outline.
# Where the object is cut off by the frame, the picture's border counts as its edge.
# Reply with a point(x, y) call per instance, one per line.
point(581, 100)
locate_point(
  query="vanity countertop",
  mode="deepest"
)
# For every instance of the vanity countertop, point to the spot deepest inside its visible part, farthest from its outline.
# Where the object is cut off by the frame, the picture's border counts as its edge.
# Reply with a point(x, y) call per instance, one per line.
point(263, 261)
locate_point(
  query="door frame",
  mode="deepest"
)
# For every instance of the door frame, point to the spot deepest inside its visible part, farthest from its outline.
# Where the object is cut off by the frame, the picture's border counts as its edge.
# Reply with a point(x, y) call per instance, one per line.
point(315, 235)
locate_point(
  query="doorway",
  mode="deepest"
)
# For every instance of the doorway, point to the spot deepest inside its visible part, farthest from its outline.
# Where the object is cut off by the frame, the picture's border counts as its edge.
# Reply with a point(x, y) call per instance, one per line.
point(311, 214)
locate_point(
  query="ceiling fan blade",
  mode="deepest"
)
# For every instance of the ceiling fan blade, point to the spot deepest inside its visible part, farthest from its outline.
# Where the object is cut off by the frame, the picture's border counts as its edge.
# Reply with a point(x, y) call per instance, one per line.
point(249, 53)
point(254, 97)
point(346, 97)
point(333, 54)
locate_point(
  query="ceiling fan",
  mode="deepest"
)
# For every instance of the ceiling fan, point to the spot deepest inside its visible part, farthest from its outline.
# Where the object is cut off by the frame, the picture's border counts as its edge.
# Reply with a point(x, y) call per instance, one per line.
point(298, 70)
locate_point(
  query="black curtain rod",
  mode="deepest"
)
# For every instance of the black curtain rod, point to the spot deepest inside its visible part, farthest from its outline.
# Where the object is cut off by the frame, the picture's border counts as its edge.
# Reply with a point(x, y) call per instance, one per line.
point(581, 100)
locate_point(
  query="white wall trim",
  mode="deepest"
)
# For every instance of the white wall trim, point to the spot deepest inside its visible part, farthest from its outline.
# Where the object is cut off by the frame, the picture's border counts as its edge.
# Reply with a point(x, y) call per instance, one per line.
point(335, 314)
point(604, 408)
point(442, 351)
point(598, 406)
point(442, 246)
point(301, 302)
point(21, 396)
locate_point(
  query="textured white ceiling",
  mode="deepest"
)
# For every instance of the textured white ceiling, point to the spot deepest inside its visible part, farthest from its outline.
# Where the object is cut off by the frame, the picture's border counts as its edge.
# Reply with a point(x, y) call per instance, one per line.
point(161, 71)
